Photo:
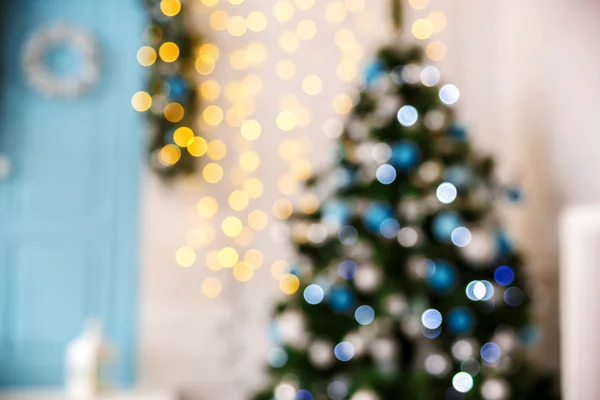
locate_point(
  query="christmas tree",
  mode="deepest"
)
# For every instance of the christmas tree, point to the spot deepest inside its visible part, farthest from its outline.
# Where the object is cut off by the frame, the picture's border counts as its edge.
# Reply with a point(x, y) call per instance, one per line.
point(408, 286)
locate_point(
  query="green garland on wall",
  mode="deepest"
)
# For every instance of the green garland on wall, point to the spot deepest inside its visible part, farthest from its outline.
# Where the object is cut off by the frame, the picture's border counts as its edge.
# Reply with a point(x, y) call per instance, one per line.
point(174, 144)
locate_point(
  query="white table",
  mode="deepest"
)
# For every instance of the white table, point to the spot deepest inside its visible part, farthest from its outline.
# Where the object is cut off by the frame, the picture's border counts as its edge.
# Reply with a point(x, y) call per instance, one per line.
point(58, 395)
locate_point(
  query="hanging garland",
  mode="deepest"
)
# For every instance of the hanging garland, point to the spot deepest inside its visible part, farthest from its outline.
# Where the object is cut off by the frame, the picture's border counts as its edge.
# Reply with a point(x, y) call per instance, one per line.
point(173, 144)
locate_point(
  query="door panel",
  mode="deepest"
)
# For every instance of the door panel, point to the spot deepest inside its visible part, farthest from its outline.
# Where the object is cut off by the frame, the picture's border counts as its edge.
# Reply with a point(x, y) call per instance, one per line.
point(68, 210)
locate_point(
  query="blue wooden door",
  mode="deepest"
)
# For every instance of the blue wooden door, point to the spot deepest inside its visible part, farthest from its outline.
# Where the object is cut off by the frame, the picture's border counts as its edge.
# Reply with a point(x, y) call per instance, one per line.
point(69, 207)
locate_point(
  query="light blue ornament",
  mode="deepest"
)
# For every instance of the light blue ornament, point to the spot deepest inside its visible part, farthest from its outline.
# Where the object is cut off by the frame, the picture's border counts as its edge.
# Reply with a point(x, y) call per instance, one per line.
point(443, 278)
point(405, 155)
point(459, 320)
point(177, 87)
point(459, 175)
point(374, 71)
point(337, 210)
point(444, 224)
point(341, 299)
point(375, 215)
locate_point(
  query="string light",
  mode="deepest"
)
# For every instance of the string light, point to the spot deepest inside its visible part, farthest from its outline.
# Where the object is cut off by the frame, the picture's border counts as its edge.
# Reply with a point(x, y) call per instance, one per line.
point(211, 287)
point(289, 42)
point(238, 200)
point(336, 12)
point(422, 29)
point(243, 272)
point(170, 7)
point(141, 101)
point(257, 220)
point(312, 85)
point(219, 20)
point(212, 173)
point(253, 188)
point(185, 257)
point(438, 21)
point(197, 147)
point(236, 26)
point(168, 52)
point(228, 257)
point(251, 129)
point(207, 207)
point(256, 21)
point(146, 56)
point(169, 155)
point(216, 150)
point(283, 10)
point(306, 29)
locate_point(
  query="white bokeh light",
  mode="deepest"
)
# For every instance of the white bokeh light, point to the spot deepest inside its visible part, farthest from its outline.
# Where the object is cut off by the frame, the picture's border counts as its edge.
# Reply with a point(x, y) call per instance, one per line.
point(449, 94)
point(408, 115)
point(462, 382)
point(446, 193)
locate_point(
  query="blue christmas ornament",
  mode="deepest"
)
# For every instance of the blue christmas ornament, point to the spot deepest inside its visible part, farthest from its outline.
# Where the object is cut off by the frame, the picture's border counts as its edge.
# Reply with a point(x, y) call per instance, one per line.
point(375, 215)
point(177, 87)
point(458, 175)
point(514, 194)
point(373, 72)
point(503, 244)
point(459, 320)
point(337, 210)
point(405, 155)
point(303, 395)
point(443, 278)
point(444, 224)
point(341, 299)
point(456, 131)
point(347, 269)
point(504, 275)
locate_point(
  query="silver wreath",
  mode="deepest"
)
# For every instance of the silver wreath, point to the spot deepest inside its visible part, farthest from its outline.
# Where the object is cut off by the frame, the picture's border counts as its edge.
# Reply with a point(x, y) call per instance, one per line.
point(39, 75)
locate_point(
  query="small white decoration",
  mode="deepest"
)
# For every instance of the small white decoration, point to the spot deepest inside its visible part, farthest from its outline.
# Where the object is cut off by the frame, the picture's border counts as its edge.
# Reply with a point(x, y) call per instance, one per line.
point(42, 79)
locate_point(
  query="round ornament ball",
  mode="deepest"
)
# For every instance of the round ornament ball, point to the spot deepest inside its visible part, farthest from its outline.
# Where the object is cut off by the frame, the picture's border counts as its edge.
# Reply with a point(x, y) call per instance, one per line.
point(443, 279)
point(368, 278)
point(482, 248)
point(460, 320)
point(373, 72)
point(444, 224)
point(320, 353)
point(365, 394)
point(405, 155)
point(341, 299)
point(375, 214)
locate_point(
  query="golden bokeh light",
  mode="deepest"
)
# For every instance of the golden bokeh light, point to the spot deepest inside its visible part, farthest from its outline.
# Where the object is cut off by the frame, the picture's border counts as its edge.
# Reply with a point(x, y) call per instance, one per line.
point(169, 155)
point(200, 237)
point(289, 149)
point(168, 52)
point(287, 184)
point(238, 59)
point(212, 115)
point(231, 226)
point(218, 20)
point(309, 203)
point(305, 4)
point(279, 268)
point(212, 261)
point(217, 149)
point(289, 42)
point(238, 200)
point(249, 161)
point(236, 2)
point(170, 7)
point(183, 136)
point(286, 120)
point(210, 89)
point(146, 56)
point(336, 11)
point(243, 272)
point(255, 258)
point(312, 85)
point(256, 53)
point(198, 146)
point(211, 287)
point(282, 209)
point(418, 4)
point(141, 101)
point(235, 117)
point(204, 64)
point(258, 220)
point(174, 112)
point(355, 6)
point(289, 284)
point(207, 207)
point(342, 103)
point(306, 29)
point(228, 257)
point(289, 102)
point(436, 50)
point(256, 21)
point(236, 26)
point(245, 238)
point(284, 10)
point(212, 173)
point(185, 257)
point(251, 129)
point(209, 50)
point(345, 39)
point(210, 3)
point(438, 21)
point(253, 187)
point(422, 29)
point(347, 71)
point(301, 169)
point(285, 69)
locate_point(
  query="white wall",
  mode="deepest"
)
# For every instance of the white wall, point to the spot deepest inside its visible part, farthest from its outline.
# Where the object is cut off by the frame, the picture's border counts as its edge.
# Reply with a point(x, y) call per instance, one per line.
point(529, 85)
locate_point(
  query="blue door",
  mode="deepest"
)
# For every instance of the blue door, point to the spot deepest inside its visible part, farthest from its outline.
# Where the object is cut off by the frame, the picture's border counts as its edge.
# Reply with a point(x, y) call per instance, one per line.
point(69, 206)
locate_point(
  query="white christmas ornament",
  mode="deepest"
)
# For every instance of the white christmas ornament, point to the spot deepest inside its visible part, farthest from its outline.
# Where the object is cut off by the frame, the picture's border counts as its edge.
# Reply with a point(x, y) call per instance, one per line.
point(482, 247)
point(320, 353)
point(368, 278)
point(43, 79)
point(365, 395)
